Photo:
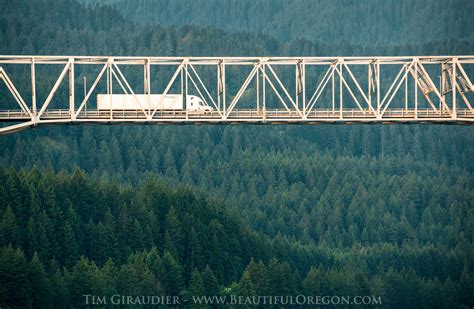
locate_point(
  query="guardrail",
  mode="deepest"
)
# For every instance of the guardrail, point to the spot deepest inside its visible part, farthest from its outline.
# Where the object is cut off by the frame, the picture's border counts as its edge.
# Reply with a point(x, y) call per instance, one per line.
point(63, 114)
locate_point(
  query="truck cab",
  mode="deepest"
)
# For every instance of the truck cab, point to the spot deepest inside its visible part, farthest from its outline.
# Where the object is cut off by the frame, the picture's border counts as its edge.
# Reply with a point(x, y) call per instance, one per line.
point(195, 103)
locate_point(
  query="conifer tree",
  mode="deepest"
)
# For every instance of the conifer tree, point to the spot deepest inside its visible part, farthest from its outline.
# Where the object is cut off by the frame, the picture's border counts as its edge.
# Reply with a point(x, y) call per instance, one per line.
point(8, 228)
point(246, 287)
point(171, 274)
point(14, 279)
point(211, 285)
point(196, 285)
point(39, 282)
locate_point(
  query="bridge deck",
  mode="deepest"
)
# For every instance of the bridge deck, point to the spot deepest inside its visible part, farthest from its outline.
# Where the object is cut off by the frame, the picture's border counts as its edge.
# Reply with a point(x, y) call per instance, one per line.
point(248, 115)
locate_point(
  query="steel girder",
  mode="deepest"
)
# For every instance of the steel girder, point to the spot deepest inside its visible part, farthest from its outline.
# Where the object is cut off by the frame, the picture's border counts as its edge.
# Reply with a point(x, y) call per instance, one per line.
point(279, 89)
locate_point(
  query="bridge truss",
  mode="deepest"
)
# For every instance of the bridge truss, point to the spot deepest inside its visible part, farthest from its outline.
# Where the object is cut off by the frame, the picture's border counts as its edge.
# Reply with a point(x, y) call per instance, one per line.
point(429, 89)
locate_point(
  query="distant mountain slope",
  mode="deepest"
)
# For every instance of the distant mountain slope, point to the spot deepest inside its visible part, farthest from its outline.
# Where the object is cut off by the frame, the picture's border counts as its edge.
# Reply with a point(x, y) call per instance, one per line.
point(363, 22)
point(56, 27)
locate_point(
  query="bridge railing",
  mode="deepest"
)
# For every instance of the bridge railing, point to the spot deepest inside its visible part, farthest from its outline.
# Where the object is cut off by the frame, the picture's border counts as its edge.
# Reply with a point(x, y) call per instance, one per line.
point(127, 115)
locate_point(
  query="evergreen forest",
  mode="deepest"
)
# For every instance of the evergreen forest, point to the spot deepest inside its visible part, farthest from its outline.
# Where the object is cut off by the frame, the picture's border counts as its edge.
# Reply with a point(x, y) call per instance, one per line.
point(382, 210)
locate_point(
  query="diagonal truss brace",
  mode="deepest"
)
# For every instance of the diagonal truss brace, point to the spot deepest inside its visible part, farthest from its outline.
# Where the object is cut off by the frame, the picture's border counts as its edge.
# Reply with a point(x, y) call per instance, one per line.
point(392, 91)
point(463, 82)
point(282, 87)
point(427, 78)
point(170, 83)
point(130, 90)
point(339, 72)
point(260, 67)
point(423, 81)
point(320, 88)
point(243, 88)
point(203, 86)
point(359, 88)
point(338, 67)
point(423, 84)
point(55, 88)
point(91, 89)
point(16, 95)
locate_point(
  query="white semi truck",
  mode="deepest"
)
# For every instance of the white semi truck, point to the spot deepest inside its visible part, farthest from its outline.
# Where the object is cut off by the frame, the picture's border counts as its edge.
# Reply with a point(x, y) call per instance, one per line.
point(171, 102)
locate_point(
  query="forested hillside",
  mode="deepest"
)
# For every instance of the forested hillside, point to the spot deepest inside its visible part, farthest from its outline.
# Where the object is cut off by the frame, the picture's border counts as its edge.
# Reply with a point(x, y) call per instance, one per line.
point(63, 237)
point(291, 181)
point(364, 22)
point(190, 210)
point(36, 28)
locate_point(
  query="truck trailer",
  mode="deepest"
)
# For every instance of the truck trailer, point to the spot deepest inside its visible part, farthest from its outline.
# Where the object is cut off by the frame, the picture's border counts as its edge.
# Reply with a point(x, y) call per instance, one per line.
point(171, 102)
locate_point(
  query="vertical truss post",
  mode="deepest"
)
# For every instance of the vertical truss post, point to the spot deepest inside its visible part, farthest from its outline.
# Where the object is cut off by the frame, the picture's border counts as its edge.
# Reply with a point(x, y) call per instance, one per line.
point(221, 88)
point(369, 82)
point(372, 85)
point(303, 84)
point(441, 95)
point(33, 91)
point(297, 84)
point(258, 91)
point(443, 82)
point(333, 94)
point(146, 77)
point(454, 114)
point(72, 111)
point(147, 85)
point(186, 89)
point(264, 102)
point(416, 87)
point(300, 85)
point(85, 94)
point(109, 86)
point(224, 87)
point(146, 82)
point(340, 87)
point(406, 88)
point(378, 86)
point(108, 79)
point(182, 86)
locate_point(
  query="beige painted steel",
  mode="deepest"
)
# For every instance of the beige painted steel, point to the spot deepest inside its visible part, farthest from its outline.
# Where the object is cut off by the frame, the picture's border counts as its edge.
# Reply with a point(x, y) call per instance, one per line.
point(350, 97)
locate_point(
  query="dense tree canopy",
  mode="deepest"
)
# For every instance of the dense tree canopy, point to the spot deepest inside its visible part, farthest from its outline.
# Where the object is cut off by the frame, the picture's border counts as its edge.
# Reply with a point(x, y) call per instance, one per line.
point(358, 22)
point(267, 210)
point(116, 241)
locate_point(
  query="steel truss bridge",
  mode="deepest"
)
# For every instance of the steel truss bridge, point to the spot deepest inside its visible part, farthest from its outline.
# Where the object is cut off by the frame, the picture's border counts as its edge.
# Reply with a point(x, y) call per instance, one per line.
point(311, 90)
